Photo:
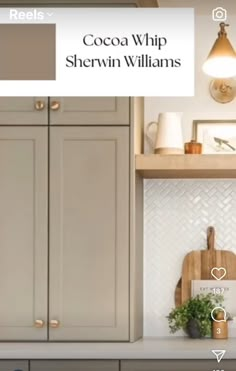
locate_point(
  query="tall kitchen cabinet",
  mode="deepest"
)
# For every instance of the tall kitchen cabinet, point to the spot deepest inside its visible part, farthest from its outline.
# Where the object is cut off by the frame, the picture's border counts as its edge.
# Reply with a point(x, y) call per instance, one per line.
point(71, 213)
point(23, 232)
point(69, 270)
point(89, 233)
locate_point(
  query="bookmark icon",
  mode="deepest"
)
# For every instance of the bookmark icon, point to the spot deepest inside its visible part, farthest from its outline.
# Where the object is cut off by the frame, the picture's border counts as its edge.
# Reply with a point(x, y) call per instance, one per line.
point(219, 354)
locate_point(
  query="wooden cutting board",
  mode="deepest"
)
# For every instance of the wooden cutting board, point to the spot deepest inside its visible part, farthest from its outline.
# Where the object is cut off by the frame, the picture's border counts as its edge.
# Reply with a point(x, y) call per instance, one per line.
point(178, 293)
point(197, 265)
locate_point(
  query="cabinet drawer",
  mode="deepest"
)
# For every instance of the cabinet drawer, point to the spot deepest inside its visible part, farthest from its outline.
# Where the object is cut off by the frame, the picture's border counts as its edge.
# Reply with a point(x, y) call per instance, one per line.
point(89, 111)
point(23, 111)
point(177, 365)
point(77, 365)
point(14, 366)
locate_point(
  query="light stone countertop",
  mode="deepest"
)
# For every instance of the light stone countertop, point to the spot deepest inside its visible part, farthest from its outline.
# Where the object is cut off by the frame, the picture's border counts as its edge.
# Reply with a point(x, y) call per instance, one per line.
point(148, 348)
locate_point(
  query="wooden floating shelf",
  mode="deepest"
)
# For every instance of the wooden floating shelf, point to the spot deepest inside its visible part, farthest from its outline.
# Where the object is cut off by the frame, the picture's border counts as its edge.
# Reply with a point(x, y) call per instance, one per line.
point(186, 166)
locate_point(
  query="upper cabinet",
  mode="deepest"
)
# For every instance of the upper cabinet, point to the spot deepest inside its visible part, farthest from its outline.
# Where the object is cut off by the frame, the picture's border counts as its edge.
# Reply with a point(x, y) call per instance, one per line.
point(89, 111)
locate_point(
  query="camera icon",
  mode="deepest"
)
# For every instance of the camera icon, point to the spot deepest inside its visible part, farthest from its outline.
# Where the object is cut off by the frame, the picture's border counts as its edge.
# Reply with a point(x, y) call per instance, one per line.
point(219, 14)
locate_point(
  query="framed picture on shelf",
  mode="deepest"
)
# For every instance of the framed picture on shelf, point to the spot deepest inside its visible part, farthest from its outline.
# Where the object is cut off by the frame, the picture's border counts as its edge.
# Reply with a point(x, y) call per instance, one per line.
point(216, 136)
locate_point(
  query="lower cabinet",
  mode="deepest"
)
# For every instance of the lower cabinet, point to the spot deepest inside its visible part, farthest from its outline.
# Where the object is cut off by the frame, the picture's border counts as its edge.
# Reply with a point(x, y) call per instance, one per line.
point(116, 365)
point(177, 365)
point(14, 365)
point(94, 365)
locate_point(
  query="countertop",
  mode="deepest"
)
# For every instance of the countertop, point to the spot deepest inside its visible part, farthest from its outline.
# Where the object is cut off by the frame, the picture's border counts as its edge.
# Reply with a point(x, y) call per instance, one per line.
point(147, 348)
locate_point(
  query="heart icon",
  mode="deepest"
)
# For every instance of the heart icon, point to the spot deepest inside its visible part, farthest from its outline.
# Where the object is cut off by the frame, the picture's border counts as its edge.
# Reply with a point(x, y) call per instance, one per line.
point(221, 272)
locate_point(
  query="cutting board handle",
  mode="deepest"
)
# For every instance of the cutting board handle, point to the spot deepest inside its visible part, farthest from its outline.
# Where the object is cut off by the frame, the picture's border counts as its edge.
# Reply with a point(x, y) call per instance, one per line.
point(210, 238)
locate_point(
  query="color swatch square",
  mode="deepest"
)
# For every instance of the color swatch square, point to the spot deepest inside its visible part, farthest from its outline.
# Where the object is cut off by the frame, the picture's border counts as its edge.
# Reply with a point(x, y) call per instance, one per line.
point(27, 51)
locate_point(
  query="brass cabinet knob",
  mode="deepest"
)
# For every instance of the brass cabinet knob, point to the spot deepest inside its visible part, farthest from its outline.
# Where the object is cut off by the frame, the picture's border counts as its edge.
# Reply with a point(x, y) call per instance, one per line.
point(54, 323)
point(39, 105)
point(39, 323)
point(55, 105)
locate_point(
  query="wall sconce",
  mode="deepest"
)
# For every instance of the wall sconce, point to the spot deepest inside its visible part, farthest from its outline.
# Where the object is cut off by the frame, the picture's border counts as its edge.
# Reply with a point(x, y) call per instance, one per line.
point(223, 91)
point(221, 64)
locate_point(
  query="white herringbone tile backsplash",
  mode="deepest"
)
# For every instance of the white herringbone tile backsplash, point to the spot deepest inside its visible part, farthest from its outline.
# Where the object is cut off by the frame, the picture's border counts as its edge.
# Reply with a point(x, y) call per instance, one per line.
point(176, 216)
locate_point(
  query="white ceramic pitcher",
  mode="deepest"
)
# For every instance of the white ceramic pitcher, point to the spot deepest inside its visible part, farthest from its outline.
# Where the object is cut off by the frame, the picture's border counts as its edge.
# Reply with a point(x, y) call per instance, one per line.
point(169, 137)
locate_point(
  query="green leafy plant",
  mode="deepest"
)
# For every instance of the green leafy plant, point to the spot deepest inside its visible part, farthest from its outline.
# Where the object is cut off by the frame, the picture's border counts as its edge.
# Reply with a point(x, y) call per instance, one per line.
point(199, 309)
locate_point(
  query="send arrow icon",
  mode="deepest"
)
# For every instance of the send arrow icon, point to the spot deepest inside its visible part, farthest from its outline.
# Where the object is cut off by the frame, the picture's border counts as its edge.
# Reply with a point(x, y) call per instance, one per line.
point(219, 354)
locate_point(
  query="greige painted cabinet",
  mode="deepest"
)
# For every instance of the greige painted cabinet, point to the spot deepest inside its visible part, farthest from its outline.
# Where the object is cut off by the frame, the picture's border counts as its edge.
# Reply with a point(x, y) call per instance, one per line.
point(23, 110)
point(89, 111)
point(89, 233)
point(14, 365)
point(90, 365)
point(64, 111)
point(177, 365)
point(23, 232)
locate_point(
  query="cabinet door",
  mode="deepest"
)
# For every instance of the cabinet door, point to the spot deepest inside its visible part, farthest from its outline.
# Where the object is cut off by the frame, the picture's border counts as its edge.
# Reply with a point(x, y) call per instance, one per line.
point(23, 111)
point(89, 111)
point(89, 233)
point(177, 365)
point(14, 366)
point(74, 365)
point(23, 232)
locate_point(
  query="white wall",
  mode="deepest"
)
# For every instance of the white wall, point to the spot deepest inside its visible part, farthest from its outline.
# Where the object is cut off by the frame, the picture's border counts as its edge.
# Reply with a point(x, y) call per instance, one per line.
point(177, 212)
point(202, 105)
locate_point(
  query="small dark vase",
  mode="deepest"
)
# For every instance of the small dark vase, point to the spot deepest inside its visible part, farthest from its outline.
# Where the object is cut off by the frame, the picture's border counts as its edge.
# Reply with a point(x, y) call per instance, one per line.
point(193, 329)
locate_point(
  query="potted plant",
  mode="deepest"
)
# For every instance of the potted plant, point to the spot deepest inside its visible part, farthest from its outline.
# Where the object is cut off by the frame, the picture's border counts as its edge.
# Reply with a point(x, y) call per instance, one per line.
point(194, 316)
